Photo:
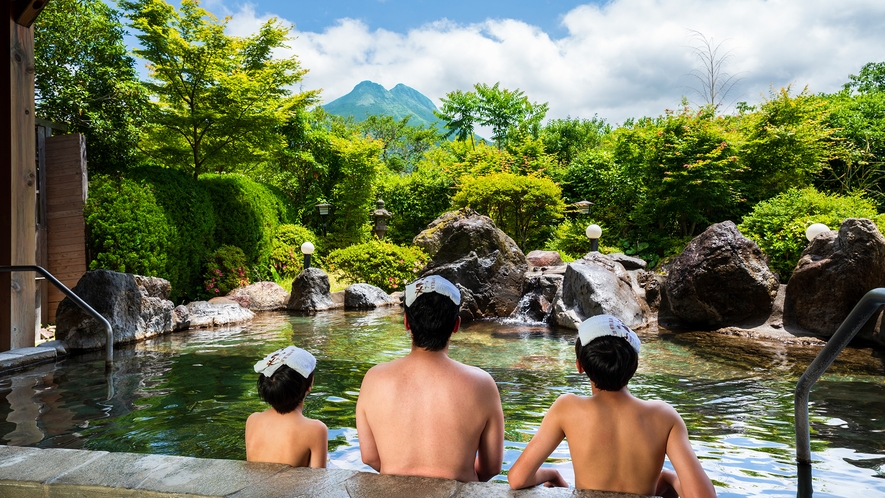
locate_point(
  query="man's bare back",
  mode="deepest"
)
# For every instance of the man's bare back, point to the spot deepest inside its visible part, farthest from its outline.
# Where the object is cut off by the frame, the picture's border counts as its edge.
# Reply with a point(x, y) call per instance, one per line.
point(428, 415)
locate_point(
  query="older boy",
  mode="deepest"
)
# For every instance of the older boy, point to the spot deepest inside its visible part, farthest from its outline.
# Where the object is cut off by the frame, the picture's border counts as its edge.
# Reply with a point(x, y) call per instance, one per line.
point(426, 414)
point(282, 434)
point(617, 442)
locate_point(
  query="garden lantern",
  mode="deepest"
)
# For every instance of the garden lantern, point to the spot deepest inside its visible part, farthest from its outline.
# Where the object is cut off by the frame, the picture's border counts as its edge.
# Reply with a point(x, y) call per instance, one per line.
point(814, 230)
point(593, 233)
point(583, 206)
point(324, 209)
point(307, 249)
point(380, 215)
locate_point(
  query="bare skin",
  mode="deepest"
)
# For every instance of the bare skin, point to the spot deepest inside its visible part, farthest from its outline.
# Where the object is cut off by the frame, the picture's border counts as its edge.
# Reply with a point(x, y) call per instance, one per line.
point(428, 415)
point(289, 438)
point(617, 443)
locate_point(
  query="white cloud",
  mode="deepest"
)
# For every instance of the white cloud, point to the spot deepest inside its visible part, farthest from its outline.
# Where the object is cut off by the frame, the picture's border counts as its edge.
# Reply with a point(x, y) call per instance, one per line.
point(627, 58)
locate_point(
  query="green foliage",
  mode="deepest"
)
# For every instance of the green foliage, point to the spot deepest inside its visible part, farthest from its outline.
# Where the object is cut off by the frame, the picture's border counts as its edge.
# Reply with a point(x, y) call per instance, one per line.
point(127, 228)
point(524, 207)
point(286, 258)
point(566, 139)
point(219, 98)
point(248, 215)
point(787, 143)
point(402, 146)
point(499, 108)
point(85, 78)
point(778, 224)
point(225, 271)
point(870, 80)
point(379, 263)
point(415, 200)
point(570, 239)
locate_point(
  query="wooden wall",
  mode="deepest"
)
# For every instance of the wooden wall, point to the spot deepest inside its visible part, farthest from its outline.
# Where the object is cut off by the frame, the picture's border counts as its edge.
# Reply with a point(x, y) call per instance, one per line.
point(66, 188)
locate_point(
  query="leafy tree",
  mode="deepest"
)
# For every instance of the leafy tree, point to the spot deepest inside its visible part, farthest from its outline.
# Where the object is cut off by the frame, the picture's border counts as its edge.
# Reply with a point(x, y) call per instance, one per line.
point(220, 99)
point(85, 78)
point(524, 207)
point(871, 79)
point(402, 145)
point(415, 200)
point(566, 138)
point(502, 109)
point(786, 143)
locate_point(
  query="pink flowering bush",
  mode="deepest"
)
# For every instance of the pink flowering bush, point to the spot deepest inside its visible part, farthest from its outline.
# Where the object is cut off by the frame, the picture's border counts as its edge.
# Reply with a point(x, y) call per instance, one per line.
point(225, 271)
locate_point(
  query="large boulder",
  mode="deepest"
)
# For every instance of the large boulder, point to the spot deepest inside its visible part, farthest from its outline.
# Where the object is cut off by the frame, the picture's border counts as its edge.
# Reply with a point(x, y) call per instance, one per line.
point(310, 292)
point(136, 307)
point(217, 312)
point(597, 284)
point(261, 296)
point(721, 278)
point(366, 296)
point(544, 259)
point(486, 264)
point(832, 275)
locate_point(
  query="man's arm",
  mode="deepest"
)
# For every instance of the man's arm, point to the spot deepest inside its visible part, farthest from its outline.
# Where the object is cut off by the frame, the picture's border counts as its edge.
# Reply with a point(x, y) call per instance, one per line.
point(490, 453)
point(368, 450)
point(691, 480)
point(526, 471)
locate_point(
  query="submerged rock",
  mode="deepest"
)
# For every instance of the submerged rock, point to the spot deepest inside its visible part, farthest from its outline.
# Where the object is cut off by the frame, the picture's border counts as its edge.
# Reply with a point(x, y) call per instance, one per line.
point(484, 262)
point(310, 292)
point(832, 275)
point(721, 278)
point(203, 314)
point(261, 296)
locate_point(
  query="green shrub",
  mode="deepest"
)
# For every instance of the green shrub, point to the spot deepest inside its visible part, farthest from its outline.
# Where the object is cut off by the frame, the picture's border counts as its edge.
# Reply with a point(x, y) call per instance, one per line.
point(248, 214)
point(778, 224)
point(414, 200)
point(127, 229)
point(286, 257)
point(225, 271)
point(382, 264)
point(570, 239)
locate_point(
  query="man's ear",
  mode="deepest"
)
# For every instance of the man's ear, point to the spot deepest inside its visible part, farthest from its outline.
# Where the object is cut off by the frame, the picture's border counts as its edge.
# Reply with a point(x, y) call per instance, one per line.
point(580, 368)
point(457, 325)
point(406, 322)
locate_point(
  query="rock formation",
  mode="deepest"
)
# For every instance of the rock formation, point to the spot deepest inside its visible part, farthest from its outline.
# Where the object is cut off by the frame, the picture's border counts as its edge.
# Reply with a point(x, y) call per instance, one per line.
point(365, 296)
point(310, 291)
point(261, 296)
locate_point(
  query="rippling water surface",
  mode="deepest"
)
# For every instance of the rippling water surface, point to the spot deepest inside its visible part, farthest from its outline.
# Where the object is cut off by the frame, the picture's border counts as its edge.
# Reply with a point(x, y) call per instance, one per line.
point(190, 393)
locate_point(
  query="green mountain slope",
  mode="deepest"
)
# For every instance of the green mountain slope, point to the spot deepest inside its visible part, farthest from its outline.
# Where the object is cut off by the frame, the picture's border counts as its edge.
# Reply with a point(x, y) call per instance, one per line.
point(371, 98)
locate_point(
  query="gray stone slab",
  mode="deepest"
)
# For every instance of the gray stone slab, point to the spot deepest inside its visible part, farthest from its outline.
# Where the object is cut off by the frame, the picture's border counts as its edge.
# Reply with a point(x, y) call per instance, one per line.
point(22, 357)
point(58, 346)
point(366, 485)
point(117, 470)
point(33, 465)
point(296, 482)
point(204, 476)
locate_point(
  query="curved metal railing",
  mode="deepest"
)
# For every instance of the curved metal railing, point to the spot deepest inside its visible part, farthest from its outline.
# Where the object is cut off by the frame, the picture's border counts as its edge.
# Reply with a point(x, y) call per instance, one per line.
point(109, 354)
point(865, 308)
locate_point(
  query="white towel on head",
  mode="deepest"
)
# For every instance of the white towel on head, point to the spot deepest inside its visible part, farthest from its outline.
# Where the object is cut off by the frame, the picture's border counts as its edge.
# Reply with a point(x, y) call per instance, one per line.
point(432, 283)
point(295, 358)
point(603, 325)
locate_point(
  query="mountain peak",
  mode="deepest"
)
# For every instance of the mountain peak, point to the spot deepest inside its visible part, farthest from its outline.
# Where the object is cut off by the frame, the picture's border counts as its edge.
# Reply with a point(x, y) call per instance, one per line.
point(368, 98)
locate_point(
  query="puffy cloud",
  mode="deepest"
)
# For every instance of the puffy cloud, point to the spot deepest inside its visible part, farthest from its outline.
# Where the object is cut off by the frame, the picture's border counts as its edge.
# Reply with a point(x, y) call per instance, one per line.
point(624, 58)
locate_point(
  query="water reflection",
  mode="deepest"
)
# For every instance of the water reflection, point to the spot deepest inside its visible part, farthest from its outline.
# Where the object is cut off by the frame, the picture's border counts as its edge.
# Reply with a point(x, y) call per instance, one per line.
point(189, 394)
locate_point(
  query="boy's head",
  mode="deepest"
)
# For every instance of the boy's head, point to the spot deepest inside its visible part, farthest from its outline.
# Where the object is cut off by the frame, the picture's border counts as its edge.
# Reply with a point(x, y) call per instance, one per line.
point(432, 306)
point(608, 351)
point(285, 378)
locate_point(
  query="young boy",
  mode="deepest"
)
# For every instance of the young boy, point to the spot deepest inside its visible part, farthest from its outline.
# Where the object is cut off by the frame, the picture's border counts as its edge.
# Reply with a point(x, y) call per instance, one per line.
point(281, 434)
point(617, 442)
point(426, 414)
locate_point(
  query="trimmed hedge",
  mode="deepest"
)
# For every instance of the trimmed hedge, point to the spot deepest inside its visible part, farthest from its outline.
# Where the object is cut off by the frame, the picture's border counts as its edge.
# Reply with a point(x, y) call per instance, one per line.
point(161, 222)
point(379, 263)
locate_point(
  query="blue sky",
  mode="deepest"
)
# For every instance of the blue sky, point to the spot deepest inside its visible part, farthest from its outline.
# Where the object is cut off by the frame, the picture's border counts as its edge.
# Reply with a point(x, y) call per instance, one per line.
point(616, 59)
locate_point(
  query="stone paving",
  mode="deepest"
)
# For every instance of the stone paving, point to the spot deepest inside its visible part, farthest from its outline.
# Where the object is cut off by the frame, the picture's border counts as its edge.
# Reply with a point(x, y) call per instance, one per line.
point(56, 472)
point(18, 359)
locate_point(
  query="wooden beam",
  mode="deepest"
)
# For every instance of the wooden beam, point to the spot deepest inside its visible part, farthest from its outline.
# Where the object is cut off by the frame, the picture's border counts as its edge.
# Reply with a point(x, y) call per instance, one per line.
point(22, 185)
point(26, 11)
point(5, 183)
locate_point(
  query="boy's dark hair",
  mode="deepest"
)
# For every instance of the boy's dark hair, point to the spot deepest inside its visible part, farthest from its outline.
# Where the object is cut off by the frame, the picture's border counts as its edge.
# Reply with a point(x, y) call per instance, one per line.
point(609, 361)
point(432, 318)
point(285, 389)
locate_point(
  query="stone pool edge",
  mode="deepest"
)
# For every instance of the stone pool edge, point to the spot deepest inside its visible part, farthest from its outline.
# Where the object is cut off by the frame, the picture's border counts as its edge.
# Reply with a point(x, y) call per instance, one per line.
point(58, 472)
point(22, 358)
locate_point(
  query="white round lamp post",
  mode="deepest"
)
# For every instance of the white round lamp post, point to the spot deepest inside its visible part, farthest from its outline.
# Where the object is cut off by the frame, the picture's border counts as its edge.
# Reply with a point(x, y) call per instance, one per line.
point(593, 233)
point(307, 249)
point(814, 230)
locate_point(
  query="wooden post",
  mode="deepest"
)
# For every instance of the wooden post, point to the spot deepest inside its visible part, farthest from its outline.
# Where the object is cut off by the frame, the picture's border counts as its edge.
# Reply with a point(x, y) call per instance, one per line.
point(5, 187)
point(22, 184)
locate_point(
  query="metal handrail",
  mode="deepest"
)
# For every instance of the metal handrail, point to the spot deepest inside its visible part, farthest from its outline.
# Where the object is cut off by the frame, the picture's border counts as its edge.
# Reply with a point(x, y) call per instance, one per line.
point(865, 308)
point(109, 355)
